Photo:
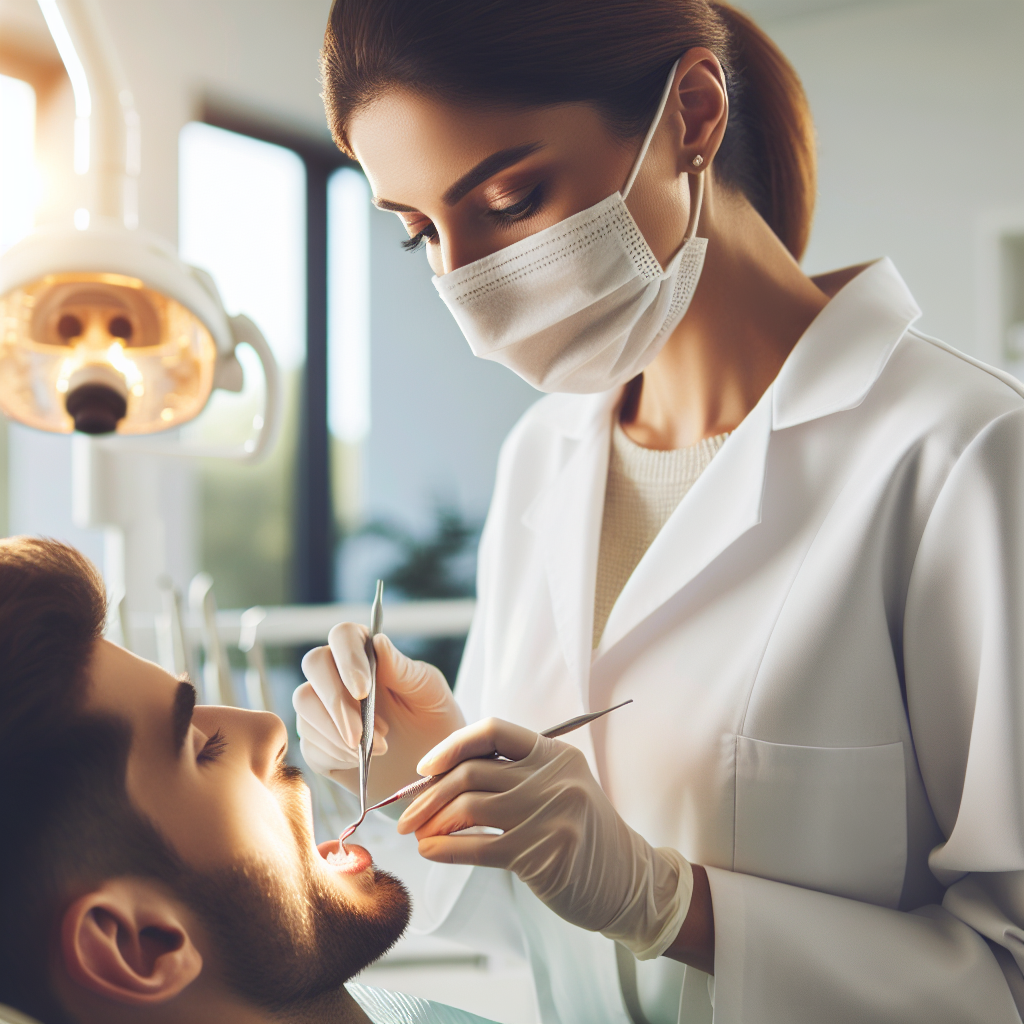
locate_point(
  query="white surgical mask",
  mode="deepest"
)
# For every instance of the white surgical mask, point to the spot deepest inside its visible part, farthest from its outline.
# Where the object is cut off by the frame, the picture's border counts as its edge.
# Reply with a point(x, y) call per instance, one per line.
point(582, 306)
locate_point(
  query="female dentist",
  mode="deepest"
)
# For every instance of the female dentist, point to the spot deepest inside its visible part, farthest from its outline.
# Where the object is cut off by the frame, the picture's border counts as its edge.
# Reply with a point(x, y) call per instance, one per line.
point(785, 523)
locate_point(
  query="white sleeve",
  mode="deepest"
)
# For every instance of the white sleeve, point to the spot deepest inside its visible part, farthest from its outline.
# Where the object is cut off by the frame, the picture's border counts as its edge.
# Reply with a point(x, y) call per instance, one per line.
point(787, 955)
point(468, 685)
point(472, 905)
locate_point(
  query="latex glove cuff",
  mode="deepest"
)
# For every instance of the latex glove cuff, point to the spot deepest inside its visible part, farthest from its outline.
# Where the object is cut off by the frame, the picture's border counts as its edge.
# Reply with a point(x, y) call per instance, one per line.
point(649, 924)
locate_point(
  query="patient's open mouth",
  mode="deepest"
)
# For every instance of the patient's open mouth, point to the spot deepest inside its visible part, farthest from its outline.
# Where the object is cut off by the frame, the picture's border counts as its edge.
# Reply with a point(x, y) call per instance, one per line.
point(353, 860)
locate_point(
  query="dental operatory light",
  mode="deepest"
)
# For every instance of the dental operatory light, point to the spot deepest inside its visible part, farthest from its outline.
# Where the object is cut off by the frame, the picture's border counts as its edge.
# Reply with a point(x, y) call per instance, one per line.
point(103, 329)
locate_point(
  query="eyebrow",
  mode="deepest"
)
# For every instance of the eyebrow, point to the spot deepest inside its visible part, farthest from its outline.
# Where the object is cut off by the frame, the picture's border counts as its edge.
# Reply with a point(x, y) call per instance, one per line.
point(488, 167)
point(181, 714)
point(386, 204)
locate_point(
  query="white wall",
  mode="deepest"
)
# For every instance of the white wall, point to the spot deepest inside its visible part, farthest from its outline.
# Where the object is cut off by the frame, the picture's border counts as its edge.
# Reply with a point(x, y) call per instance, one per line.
point(920, 116)
point(260, 54)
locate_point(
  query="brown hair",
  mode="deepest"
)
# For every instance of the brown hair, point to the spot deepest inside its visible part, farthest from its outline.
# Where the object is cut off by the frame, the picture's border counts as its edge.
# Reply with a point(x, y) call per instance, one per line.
point(52, 610)
point(64, 811)
point(615, 54)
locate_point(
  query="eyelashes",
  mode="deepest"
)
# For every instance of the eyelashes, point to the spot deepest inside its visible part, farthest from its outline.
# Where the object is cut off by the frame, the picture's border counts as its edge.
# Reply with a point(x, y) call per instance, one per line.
point(525, 208)
point(417, 240)
point(213, 748)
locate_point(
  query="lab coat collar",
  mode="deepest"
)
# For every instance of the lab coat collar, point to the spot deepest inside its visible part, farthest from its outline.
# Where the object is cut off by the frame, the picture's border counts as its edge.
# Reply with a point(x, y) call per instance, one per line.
point(840, 356)
point(832, 368)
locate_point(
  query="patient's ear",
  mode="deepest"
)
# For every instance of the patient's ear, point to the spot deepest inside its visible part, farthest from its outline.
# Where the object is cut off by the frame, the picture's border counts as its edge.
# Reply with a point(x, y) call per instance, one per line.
point(129, 942)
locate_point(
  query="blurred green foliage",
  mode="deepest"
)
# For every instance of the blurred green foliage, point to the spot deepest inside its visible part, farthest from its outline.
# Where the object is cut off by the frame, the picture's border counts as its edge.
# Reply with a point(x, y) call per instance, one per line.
point(440, 564)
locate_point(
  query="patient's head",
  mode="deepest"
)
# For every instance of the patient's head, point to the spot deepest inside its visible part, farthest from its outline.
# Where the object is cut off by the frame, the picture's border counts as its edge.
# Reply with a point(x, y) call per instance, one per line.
point(157, 860)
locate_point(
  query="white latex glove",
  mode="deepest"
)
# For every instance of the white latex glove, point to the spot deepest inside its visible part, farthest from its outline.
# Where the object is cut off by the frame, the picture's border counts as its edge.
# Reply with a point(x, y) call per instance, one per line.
point(414, 710)
point(561, 835)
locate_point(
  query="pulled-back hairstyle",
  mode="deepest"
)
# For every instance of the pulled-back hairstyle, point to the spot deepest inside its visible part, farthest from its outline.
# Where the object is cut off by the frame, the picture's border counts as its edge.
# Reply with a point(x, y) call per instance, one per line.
point(615, 54)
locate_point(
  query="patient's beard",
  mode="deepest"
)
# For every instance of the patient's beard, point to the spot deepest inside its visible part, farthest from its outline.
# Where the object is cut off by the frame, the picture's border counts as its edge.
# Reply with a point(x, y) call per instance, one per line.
point(289, 948)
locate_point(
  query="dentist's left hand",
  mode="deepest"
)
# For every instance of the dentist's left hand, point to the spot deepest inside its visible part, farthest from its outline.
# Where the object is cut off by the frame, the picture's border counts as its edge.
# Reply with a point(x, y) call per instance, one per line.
point(561, 834)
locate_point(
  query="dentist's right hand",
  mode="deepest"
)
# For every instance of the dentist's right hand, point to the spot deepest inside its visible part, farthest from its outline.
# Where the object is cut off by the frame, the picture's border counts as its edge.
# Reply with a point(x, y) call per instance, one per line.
point(415, 710)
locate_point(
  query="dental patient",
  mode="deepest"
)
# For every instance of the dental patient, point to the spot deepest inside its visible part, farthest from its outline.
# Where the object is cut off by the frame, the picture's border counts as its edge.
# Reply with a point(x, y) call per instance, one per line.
point(157, 862)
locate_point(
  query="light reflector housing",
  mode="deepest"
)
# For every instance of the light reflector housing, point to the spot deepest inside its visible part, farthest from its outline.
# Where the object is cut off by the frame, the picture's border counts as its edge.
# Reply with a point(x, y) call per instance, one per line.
point(116, 313)
point(64, 332)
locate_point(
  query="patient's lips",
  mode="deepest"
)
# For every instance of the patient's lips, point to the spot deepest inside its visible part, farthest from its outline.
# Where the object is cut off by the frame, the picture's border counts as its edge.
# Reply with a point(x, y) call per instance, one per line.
point(349, 861)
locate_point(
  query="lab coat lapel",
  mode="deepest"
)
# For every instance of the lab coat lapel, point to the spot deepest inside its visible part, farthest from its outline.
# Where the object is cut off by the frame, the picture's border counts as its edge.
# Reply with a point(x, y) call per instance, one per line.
point(832, 368)
point(566, 517)
point(723, 504)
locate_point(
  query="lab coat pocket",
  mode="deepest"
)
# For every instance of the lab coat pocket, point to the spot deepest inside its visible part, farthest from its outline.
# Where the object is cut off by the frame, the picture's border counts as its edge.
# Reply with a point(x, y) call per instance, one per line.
point(825, 818)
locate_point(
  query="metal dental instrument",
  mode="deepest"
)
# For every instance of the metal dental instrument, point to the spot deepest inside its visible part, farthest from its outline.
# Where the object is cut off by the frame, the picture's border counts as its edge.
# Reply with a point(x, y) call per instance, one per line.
point(367, 706)
point(420, 785)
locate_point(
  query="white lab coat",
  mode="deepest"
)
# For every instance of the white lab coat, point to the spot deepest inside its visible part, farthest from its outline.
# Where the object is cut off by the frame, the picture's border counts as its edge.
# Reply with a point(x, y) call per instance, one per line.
point(825, 649)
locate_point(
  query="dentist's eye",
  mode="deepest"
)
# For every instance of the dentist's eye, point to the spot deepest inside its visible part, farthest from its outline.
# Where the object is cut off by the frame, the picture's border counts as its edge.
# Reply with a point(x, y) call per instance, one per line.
point(213, 748)
point(417, 240)
point(525, 207)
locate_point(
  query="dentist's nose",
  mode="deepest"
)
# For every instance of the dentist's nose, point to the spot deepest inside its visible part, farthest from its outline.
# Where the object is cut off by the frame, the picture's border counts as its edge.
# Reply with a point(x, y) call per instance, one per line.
point(448, 257)
point(457, 251)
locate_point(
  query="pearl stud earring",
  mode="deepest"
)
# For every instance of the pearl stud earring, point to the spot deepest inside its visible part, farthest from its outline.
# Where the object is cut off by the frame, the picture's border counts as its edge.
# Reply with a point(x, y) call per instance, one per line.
point(697, 160)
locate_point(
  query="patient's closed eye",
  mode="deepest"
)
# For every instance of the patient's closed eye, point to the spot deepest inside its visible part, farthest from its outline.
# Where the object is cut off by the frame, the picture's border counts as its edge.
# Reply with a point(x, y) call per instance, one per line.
point(213, 748)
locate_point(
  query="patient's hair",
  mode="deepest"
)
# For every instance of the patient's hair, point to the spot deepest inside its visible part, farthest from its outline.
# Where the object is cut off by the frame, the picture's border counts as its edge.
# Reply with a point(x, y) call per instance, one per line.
point(66, 817)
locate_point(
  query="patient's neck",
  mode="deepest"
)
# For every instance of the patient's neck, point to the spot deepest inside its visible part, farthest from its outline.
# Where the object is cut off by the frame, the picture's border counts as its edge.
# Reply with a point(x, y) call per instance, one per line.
point(338, 1008)
point(208, 1007)
point(335, 1008)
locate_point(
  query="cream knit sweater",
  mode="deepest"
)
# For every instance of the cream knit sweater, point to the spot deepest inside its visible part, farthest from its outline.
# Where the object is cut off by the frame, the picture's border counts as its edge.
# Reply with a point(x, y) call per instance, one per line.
point(644, 487)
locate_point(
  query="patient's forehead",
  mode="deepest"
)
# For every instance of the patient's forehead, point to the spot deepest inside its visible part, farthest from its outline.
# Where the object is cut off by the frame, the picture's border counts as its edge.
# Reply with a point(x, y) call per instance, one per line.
point(137, 691)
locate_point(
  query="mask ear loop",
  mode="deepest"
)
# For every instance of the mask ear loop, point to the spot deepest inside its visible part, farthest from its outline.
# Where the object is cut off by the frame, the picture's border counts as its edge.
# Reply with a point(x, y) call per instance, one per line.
point(650, 131)
point(696, 202)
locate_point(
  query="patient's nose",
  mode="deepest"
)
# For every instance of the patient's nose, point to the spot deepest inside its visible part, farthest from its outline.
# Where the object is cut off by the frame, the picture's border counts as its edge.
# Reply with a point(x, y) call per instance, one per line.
point(269, 742)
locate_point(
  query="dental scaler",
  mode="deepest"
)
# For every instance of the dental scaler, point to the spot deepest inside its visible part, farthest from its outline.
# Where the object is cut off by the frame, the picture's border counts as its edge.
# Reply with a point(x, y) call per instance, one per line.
point(422, 785)
point(368, 709)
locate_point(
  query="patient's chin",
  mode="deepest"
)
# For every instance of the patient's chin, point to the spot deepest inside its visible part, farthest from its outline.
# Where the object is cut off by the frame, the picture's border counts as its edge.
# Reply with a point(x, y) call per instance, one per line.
point(383, 909)
point(282, 947)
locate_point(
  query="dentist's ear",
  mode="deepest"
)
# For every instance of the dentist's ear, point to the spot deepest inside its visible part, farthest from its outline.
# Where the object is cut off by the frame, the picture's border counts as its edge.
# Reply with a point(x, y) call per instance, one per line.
point(701, 105)
point(128, 942)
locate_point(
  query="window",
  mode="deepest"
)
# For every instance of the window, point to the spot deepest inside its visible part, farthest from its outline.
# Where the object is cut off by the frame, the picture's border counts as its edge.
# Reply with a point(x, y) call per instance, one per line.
point(348, 338)
point(282, 223)
point(242, 218)
point(999, 284)
point(1012, 326)
point(19, 180)
point(19, 195)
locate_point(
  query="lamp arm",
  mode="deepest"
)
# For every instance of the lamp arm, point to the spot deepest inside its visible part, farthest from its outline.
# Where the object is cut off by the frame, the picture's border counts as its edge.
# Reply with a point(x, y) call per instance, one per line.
point(107, 123)
point(245, 331)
